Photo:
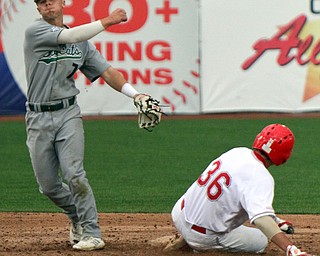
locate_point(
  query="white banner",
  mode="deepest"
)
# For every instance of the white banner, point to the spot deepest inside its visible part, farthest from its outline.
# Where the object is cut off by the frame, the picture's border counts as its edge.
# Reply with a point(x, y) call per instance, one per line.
point(260, 55)
point(156, 50)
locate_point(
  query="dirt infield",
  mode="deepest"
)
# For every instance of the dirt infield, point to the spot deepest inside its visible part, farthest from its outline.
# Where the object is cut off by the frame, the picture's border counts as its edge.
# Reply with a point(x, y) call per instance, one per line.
point(46, 234)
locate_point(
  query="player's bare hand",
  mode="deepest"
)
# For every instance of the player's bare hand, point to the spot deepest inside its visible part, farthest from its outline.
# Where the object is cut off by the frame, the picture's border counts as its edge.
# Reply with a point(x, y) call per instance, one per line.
point(117, 16)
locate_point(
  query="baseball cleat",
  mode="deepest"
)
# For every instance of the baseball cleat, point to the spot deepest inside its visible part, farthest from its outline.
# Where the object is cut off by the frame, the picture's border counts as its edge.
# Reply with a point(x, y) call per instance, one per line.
point(75, 233)
point(89, 244)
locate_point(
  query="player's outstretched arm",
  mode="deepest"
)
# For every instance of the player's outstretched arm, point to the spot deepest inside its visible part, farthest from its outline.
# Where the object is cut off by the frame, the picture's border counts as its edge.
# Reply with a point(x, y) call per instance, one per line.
point(87, 31)
point(284, 243)
point(271, 229)
point(114, 78)
point(149, 110)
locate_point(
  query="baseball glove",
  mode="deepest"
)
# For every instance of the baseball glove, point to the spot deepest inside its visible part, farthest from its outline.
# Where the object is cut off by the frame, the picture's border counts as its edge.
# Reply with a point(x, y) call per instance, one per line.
point(149, 111)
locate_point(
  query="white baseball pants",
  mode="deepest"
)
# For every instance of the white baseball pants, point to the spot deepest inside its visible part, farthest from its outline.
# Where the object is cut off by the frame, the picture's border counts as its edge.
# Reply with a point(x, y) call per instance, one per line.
point(241, 239)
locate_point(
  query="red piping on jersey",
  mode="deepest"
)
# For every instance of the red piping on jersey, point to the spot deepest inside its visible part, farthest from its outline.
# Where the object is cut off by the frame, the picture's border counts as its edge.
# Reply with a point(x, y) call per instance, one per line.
point(182, 204)
point(195, 227)
point(260, 158)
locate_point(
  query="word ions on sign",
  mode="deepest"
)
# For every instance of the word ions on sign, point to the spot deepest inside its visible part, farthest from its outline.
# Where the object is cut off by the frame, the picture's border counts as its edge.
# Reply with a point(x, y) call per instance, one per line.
point(146, 76)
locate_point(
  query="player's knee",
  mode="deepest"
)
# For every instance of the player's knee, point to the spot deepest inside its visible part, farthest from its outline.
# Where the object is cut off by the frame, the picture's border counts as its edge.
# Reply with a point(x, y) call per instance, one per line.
point(261, 244)
point(79, 185)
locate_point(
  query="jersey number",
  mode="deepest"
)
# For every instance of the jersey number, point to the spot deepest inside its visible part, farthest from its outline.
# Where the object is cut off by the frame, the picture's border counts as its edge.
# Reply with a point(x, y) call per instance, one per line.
point(214, 190)
point(75, 68)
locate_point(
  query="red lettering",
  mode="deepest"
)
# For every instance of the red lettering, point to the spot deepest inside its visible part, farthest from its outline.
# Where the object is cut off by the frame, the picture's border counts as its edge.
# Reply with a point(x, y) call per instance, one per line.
point(153, 51)
point(135, 54)
point(98, 46)
point(164, 53)
point(77, 10)
point(291, 33)
point(202, 181)
point(136, 21)
point(122, 51)
point(303, 47)
point(160, 76)
point(214, 189)
point(101, 81)
point(139, 77)
point(79, 14)
point(163, 76)
point(109, 51)
point(314, 54)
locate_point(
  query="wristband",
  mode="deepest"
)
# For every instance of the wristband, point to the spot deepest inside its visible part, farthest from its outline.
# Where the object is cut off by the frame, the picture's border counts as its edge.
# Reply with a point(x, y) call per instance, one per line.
point(128, 90)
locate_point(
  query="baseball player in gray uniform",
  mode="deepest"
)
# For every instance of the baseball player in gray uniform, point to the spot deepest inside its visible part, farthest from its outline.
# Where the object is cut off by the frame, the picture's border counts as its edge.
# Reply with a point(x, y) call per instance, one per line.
point(55, 136)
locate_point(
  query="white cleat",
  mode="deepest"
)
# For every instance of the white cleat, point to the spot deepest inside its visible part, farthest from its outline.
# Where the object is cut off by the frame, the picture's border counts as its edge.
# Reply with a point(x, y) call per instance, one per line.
point(75, 233)
point(89, 244)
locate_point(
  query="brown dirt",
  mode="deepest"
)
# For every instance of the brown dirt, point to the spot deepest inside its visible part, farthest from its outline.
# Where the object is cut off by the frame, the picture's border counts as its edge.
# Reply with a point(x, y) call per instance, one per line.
point(46, 234)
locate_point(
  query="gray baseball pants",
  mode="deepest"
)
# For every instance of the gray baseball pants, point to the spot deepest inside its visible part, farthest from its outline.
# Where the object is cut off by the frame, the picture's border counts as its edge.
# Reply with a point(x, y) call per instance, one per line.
point(56, 145)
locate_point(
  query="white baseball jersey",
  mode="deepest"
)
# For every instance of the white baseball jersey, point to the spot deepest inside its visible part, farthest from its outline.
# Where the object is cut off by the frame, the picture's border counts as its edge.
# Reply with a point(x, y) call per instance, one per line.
point(234, 188)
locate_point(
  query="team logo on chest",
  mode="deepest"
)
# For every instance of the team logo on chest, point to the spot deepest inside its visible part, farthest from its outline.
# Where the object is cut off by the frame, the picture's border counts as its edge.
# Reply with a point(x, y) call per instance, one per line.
point(65, 52)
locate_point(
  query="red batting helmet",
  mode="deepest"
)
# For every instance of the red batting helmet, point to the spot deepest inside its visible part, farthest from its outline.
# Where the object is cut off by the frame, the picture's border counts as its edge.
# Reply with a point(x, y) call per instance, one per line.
point(277, 141)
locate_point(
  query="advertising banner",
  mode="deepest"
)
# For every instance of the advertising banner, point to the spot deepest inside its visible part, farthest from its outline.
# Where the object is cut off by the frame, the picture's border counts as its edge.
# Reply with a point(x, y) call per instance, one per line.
point(157, 51)
point(260, 55)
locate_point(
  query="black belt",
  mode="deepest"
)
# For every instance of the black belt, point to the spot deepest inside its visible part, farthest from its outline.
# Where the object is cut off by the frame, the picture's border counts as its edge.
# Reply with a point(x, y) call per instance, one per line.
point(44, 107)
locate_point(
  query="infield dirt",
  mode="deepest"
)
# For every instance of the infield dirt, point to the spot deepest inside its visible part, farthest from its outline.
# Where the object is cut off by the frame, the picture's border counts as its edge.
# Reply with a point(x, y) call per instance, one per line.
point(46, 234)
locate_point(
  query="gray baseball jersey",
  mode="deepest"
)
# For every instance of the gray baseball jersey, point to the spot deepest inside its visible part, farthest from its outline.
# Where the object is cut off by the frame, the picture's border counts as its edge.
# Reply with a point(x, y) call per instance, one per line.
point(47, 78)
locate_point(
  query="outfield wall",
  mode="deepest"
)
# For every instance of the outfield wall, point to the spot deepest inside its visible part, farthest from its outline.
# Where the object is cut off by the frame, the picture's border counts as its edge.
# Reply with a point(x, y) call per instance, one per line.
point(198, 56)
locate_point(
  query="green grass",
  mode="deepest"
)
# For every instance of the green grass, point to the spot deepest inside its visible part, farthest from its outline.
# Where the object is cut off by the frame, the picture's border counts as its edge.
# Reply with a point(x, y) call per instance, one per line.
point(132, 170)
